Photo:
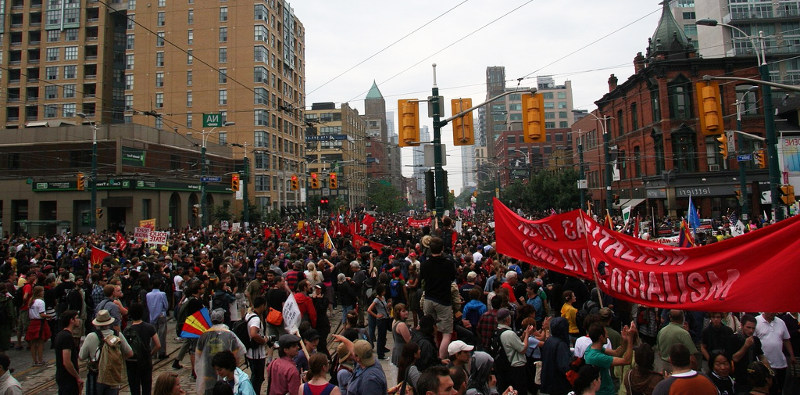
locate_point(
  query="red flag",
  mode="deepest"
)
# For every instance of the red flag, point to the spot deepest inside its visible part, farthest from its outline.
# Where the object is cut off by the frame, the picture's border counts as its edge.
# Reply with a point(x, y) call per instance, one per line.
point(368, 219)
point(267, 233)
point(609, 223)
point(454, 237)
point(358, 241)
point(121, 242)
point(97, 257)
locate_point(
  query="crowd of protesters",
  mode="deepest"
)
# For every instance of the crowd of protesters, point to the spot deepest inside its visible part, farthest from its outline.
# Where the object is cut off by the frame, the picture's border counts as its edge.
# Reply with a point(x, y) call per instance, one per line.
point(463, 318)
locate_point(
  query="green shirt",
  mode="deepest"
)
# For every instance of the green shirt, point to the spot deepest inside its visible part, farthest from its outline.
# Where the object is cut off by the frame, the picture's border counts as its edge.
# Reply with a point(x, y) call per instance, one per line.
point(599, 359)
point(672, 334)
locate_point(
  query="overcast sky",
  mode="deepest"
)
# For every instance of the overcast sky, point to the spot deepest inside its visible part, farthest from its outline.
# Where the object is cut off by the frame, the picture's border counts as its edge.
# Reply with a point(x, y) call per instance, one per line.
point(583, 41)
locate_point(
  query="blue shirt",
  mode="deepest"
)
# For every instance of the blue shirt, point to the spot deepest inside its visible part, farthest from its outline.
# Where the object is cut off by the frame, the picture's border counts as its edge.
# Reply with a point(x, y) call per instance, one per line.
point(157, 304)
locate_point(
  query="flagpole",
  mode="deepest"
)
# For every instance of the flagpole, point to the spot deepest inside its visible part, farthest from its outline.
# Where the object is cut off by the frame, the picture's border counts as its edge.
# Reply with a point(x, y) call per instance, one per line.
point(591, 261)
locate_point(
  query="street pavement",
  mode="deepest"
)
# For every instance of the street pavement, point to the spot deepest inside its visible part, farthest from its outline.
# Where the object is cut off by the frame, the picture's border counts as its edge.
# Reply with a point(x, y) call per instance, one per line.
point(41, 379)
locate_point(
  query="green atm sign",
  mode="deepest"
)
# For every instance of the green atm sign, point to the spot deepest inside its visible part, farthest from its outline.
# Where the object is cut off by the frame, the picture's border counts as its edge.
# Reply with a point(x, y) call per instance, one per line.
point(212, 120)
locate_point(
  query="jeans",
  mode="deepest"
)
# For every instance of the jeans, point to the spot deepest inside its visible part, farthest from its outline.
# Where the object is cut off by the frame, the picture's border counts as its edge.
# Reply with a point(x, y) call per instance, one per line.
point(256, 373)
point(372, 324)
point(345, 310)
point(140, 380)
point(176, 298)
point(161, 330)
point(382, 324)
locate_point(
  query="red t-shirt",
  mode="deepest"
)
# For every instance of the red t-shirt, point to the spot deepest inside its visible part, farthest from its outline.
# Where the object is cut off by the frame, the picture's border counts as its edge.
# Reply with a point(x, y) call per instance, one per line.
point(511, 297)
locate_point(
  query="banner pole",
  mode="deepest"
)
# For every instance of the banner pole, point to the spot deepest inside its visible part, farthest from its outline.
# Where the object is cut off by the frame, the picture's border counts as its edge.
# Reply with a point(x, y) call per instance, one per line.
point(591, 261)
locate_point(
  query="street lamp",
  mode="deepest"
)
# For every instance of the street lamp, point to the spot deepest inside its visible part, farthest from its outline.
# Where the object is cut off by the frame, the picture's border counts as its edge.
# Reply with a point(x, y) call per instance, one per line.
point(93, 180)
point(527, 162)
point(203, 203)
point(769, 116)
point(607, 155)
point(739, 142)
point(245, 179)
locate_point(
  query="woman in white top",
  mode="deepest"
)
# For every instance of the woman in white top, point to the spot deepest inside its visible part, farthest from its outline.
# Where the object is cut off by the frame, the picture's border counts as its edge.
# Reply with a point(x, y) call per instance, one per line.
point(38, 330)
point(313, 275)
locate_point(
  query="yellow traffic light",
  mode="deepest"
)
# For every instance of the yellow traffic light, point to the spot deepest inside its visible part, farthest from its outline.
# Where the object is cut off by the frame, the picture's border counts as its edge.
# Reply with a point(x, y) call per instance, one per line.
point(533, 130)
point(463, 130)
point(295, 182)
point(723, 145)
point(99, 213)
point(81, 185)
point(761, 158)
point(334, 182)
point(235, 182)
point(787, 194)
point(409, 122)
point(314, 181)
point(709, 107)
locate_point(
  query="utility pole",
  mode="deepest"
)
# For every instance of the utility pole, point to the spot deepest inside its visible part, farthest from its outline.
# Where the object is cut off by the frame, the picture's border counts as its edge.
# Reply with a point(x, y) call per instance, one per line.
point(582, 172)
point(438, 171)
point(93, 178)
point(245, 179)
point(607, 154)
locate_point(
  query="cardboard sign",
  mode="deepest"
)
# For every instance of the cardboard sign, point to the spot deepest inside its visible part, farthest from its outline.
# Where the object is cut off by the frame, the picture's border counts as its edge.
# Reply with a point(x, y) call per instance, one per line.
point(158, 238)
point(141, 233)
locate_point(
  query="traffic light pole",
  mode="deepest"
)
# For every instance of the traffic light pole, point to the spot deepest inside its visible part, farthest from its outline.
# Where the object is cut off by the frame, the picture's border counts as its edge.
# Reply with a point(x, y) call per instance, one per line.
point(246, 216)
point(607, 155)
point(772, 141)
point(438, 171)
point(582, 172)
point(742, 173)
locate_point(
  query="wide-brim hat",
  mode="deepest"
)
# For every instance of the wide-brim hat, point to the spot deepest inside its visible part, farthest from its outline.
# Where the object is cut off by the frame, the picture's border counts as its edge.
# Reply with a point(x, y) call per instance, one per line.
point(103, 318)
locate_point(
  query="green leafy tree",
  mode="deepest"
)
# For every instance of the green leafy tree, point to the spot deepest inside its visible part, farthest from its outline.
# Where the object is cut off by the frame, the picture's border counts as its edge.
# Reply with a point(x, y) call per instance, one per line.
point(387, 198)
point(222, 212)
point(255, 214)
point(543, 191)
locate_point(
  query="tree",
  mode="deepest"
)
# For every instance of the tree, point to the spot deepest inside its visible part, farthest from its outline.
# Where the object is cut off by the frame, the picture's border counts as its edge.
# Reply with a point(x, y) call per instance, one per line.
point(545, 190)
point(387, 198)
point(255, 214)
point(222, 212)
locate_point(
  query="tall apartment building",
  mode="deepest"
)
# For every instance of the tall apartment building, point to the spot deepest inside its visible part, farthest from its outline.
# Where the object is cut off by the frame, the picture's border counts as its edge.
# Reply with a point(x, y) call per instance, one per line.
point(419, 158)
point(468, 167)
point(241, 60)
point(336, 143)
point(164, 64)
point(778, 20)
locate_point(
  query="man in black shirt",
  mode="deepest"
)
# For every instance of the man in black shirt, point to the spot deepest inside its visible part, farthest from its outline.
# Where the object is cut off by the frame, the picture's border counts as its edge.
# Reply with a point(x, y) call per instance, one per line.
point(67, 377)
point(437, 274)
point(746, 349)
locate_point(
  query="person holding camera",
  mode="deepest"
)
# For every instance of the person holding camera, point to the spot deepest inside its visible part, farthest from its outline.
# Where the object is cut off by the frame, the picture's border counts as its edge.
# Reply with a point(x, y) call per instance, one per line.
point(257, 355)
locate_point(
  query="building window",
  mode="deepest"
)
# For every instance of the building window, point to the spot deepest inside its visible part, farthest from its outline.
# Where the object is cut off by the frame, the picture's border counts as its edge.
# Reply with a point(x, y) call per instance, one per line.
point(159, 79)
point(223, 14)
point(70, 72)
point(190, 17)
point(159, 59)
point(684, 151)
point(189, 99)
point(128, 82)
point(634, 117)
point(129, 40)
point(69, 91)
point(52, 54)
point(260, 74)
point(161, 19)
point(189, 120)
point(261, 96)
point(261, 118)
point(223, 76)
point(53, 35)
point(223, 55)
point(680, 101)
point(50, 111)
point(260, 12)
point(51, 92)
point(261, 183)
point(159, 123)
point(68, 111)
point(261, 160)
point(261, 33)
point(260, 139)
point(223, 97)
point(223, 34)
point(655, 105)
point(51, 72)
point(189, 78)
point(162, 3)
point(128, 102)
point(223, 138)
point(71, 34)
point(190, 38)
point(159, 100)
point(129, 62)
point(563, 124)
point(260, 53)
point(637, 162)
point(160, 39)
point(620, 123)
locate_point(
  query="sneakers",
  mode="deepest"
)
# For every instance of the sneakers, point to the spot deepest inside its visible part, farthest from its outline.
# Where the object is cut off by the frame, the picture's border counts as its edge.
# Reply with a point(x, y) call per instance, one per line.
point(177, 365)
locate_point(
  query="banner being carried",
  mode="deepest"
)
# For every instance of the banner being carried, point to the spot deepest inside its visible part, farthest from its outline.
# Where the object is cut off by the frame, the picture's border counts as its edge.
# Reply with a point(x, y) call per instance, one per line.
point(753, 272)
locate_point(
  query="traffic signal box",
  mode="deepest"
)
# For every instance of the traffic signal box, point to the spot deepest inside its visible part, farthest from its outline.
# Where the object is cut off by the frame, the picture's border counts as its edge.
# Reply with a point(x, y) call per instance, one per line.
point(709, 108)
point(81, 182)
point(195, 211)
point(235, 182)
point(295, 182)
point(334, 182)
point(760, 157)
point(723, 145)
point(99, 212)
point(787, 194)
point(463, 129)
point(533, 130)
point(314, 181)
point(409, 122)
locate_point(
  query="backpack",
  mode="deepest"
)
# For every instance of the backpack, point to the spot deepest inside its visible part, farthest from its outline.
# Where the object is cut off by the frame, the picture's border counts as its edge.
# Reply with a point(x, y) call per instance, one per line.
point(497, 351)
point(110, 363)
point(394, 288)
point(241, 329)
point(6, 309)
point(182, 313)
point(63, 302)
point(589, 307)
point(19, 297)
point(140, 352)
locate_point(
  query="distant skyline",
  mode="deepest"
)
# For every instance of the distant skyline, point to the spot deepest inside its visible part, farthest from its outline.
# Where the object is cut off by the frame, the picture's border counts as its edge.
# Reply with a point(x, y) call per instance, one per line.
point(583, 41)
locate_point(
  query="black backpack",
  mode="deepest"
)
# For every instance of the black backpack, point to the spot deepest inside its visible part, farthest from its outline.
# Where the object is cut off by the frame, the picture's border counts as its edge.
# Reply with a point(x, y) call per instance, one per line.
point(497, 351)
point(241, 329)
point(63, 303)
point(140, 352)
point(589, 307)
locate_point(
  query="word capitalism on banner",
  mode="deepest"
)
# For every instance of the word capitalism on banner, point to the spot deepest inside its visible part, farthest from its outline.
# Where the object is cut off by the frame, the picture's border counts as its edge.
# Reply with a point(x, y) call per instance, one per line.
point(754, 272)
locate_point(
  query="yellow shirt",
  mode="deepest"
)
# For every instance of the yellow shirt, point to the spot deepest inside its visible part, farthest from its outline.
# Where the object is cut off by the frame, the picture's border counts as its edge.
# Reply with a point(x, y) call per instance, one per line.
point(570, 313)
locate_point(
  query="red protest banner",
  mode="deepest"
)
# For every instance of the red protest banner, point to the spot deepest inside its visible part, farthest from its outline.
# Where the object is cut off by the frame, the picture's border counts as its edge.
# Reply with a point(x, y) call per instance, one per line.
point(358, 241)
point(419, 223)
point(753, 272)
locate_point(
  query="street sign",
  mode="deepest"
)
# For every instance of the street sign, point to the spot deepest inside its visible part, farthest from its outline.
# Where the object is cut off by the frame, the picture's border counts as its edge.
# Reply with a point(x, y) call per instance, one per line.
point(212, 120)
point(210, 179)
point(744, 158)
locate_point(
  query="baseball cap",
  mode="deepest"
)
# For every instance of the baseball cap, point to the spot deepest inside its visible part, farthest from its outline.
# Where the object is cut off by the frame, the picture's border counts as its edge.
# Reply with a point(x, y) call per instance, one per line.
point(287, 340)
point(363, 350)
point(458, 346)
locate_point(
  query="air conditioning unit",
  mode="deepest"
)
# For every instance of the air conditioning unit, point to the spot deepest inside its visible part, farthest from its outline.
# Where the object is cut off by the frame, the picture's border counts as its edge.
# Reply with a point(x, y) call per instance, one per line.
point(713, 167)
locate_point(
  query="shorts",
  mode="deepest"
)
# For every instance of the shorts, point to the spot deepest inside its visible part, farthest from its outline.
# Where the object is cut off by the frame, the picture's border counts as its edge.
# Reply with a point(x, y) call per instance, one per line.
point(443, 315)
point(23, 320)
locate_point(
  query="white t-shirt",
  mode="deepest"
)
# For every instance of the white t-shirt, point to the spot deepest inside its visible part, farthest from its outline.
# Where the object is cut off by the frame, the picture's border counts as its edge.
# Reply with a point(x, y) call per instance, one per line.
point(772, 334)
point(36, 309)
point(178, 281)
point(259, 352)
point(584, 342)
